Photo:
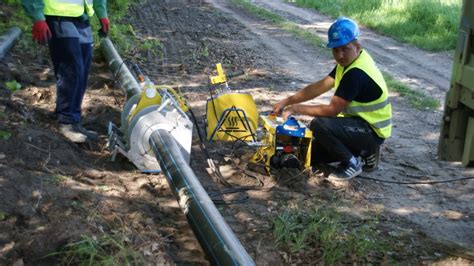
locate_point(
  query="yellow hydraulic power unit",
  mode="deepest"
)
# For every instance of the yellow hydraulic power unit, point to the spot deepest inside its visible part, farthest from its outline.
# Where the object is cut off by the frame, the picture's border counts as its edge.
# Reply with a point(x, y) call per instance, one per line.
point(230, 115)
point(286, 144)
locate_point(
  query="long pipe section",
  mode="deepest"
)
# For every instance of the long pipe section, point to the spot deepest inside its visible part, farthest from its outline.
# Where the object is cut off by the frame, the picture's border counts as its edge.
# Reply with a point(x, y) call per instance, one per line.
point(119, 69)
point(215, 236)
point(7, 40)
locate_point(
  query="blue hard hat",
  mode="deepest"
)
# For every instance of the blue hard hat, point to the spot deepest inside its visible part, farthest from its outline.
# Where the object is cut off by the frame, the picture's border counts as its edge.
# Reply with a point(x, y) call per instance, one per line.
point(342, 32)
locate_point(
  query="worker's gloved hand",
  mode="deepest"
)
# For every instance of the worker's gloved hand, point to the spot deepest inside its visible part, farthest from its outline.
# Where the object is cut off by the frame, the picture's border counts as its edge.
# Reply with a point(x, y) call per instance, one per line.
point(105, 27)
point(41, 32)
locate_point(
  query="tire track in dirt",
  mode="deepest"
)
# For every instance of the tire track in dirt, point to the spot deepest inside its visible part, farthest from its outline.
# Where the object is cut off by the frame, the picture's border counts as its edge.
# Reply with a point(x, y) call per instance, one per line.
point(420, 69)
point(288, 47)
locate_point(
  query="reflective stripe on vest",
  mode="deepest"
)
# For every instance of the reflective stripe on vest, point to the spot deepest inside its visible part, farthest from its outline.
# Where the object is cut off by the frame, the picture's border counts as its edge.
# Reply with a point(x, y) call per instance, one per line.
point(68, 8)
point(377, 113)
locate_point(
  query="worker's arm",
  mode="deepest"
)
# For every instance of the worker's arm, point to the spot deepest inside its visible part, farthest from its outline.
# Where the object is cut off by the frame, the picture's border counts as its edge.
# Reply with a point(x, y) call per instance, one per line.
point(335, 107)
point(309, 92)
point(34, 9)
point(100, 8)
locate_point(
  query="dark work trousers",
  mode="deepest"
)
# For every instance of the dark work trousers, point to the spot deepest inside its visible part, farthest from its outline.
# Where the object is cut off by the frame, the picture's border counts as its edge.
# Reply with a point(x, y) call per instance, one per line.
point(337, 139)
point(71, 53)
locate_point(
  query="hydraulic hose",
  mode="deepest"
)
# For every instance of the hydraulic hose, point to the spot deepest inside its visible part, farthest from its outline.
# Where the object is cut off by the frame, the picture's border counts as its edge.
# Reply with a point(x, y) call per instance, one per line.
point(7, 40)
point(216, 238)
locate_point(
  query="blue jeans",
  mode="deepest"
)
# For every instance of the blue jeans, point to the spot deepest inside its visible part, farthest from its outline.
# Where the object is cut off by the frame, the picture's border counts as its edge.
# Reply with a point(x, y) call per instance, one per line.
point(71, 53)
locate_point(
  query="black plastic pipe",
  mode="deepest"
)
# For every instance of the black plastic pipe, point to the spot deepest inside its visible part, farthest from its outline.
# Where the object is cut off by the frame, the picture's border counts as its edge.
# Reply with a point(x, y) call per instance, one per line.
point(217, 239)
point(120, 71)
point(8, 39)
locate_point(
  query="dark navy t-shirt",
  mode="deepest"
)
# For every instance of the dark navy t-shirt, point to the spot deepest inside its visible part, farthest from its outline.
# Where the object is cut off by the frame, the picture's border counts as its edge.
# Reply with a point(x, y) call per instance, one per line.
point(356, 85)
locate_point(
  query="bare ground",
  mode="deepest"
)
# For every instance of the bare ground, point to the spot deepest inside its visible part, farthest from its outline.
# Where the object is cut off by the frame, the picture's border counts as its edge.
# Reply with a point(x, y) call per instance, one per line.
point(53, 192)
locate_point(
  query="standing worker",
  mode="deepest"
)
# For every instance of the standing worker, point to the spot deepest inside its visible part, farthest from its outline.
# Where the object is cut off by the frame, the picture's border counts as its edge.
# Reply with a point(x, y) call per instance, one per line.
point(358, 118)
point(65, 26)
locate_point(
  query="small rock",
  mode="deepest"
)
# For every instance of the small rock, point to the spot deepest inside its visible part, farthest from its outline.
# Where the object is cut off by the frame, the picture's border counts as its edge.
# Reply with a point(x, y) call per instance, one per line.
point(2, 156)
point(19, 263)
point(94, 174)
point(149, 221)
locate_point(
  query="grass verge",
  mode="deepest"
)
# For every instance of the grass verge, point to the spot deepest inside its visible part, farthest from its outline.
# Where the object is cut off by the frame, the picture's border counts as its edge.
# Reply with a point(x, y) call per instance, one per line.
point(429, 24)
point(123, 35)
point(107, 249)
point(328, 234)
point(416, 98)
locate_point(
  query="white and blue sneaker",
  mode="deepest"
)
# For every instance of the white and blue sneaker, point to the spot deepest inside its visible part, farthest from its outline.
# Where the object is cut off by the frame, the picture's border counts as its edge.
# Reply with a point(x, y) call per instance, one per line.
point(347, 170)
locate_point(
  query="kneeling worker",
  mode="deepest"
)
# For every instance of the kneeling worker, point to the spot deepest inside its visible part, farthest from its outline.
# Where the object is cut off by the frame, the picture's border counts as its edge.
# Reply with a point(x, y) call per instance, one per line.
point(358, 118)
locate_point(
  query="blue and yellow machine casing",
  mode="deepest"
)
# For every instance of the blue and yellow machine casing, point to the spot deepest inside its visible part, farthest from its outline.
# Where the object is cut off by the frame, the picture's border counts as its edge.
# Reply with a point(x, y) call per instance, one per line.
point(283, 139)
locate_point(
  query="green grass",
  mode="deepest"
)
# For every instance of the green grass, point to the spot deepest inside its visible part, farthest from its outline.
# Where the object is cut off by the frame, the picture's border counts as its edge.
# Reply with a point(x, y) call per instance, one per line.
point(417, 99)
point(3, 215)
point(119, 32)
point(17, 18)
point(101, 250)
point(56, 179)
point(13, 85)
point(428, 24)
point(5, 135)
point(328, 233)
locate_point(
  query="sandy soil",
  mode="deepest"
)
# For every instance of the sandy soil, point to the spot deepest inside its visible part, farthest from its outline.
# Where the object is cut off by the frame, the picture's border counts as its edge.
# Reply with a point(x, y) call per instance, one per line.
point(54, 191)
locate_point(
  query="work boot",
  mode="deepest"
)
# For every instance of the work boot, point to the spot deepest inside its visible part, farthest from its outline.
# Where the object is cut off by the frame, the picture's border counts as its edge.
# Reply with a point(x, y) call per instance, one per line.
point(347, 170)
point(91, 135)
point(68, 131)
point(371, 162)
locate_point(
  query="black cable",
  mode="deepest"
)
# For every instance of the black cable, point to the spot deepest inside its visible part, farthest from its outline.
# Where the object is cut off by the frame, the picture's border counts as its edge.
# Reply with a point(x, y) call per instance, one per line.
point(416, 182)
point(213, 168)
point(237, 201)
point(229, 191)
point(114, 82)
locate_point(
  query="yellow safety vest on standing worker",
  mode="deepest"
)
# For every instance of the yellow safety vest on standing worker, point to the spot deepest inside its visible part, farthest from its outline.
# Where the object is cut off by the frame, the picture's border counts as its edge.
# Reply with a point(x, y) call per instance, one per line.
point(68, 8)
point(377, 113)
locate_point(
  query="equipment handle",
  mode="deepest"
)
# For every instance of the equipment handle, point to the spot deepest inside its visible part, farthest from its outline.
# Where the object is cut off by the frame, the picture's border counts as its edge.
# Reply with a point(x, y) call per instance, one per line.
point(138, 73)
point(235, 74)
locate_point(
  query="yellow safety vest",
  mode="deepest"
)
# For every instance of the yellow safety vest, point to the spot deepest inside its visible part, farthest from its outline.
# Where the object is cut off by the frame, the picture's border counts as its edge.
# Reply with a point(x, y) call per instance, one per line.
point(377, 113)
point(68, 8)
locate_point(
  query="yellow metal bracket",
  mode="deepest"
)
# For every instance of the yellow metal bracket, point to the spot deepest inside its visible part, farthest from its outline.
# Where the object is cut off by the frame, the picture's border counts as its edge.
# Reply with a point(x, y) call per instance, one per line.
point(220, 78)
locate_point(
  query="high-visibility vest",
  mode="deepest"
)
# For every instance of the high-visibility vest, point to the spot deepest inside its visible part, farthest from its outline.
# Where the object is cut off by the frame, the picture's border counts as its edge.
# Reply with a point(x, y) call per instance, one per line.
point(377, 113)
point(68, 8)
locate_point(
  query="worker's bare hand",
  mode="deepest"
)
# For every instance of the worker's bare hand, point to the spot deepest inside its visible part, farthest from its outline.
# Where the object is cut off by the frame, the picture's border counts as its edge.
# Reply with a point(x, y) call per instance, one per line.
point(278, 107)
point(287, 112)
